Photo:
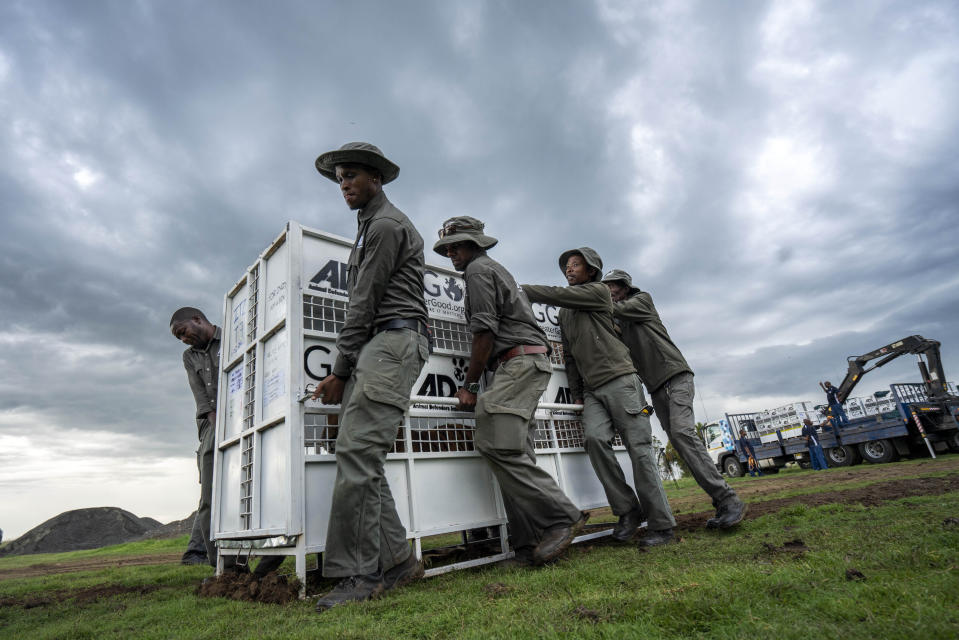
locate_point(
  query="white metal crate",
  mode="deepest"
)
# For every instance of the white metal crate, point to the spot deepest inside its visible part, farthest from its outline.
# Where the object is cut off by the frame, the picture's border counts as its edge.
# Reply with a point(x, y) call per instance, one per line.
point(275, 453)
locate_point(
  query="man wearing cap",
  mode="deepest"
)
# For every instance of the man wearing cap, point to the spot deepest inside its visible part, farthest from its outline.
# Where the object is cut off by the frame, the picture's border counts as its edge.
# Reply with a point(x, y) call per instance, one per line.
point(507, 340)
point(382, 347)
point(669, 380)
point(602, 377)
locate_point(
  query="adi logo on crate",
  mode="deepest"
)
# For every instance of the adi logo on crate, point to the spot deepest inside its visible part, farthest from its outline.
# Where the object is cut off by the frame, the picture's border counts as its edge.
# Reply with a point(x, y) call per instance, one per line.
point(332, 278)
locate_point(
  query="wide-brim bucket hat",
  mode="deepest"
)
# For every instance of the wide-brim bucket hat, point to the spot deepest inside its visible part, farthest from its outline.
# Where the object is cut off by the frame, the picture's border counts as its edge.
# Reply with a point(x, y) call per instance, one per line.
point(589, 255)
point(463, 229)
point(357, 153)
point(618, 275)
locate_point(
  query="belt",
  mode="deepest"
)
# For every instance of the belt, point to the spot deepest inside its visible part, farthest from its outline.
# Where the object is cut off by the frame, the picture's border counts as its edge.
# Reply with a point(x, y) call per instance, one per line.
point(522, 350)
point(404, 323)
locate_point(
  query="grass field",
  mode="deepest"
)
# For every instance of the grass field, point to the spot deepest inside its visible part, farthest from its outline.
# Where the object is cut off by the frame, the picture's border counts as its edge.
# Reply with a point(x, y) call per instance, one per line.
point(864, 552)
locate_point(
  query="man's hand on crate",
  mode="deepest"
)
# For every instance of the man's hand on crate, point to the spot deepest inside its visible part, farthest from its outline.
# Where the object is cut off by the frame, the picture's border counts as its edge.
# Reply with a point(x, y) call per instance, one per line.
point(467, 399)
point(330, 390)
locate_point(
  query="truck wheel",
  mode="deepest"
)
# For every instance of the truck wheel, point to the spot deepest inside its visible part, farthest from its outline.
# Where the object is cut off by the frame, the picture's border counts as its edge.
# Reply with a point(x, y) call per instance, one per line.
point(842, 456)
point(876, 451)
point(732, 467)
point(953, 442)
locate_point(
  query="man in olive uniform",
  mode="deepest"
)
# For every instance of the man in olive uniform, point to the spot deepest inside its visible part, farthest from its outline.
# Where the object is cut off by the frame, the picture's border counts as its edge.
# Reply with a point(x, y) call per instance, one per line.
point(507, 340)
point(382, 348)
point(669, 380)
point(602, 377)
point(201, 360)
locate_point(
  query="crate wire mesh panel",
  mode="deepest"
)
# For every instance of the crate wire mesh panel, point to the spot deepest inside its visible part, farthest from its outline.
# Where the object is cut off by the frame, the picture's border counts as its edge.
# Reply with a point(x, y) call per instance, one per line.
point(323, 314)
point(275, 462)
point(451, 336)
point(246, 482)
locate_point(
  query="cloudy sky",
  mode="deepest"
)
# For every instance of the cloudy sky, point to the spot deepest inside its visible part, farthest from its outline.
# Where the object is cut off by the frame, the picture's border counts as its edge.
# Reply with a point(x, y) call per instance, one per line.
point(783, 177)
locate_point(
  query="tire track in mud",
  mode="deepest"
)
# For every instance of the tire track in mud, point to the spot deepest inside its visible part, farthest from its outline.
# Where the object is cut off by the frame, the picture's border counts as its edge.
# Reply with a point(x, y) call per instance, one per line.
point(868, 496)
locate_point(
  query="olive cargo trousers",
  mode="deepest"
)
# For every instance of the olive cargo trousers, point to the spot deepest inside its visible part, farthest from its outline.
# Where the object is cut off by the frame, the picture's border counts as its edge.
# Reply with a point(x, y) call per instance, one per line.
point(673, 402)
point(200, 542)
point(617, 407)
point(364, 533)
point(505, 427)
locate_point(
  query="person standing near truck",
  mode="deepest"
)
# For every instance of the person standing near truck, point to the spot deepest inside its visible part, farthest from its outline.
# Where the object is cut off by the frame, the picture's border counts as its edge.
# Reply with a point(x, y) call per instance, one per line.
point(507, 340)
point(816, 456)
point(382, 347)
point(669, 379)
point(747, 448)
point(603, 378)
point(837, 411)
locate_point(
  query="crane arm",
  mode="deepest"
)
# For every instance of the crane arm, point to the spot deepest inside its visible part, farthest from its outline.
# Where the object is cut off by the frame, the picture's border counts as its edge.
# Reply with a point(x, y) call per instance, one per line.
point(934, 379)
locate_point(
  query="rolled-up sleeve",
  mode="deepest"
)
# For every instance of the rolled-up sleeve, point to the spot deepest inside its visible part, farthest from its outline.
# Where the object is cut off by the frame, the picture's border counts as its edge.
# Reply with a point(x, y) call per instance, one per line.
point(383, 240)
point(484, 313)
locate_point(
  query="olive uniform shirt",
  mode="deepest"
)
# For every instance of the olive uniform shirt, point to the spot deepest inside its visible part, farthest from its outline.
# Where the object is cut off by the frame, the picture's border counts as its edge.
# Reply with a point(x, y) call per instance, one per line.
point(202, 370)
point(593, 352)
point(656, 358)
point(385, 278)
point(496, 304)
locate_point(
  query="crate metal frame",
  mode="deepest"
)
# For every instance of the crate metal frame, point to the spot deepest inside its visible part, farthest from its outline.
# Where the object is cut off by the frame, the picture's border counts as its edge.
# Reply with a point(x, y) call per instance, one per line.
point(275, 457)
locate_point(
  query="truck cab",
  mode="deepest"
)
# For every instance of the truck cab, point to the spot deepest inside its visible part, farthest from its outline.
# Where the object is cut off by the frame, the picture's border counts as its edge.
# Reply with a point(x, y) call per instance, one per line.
point(722, 444)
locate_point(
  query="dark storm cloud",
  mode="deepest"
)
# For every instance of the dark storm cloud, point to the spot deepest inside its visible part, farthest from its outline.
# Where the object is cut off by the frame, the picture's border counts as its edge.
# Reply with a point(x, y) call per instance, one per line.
point(156, 149)
point(781, 176)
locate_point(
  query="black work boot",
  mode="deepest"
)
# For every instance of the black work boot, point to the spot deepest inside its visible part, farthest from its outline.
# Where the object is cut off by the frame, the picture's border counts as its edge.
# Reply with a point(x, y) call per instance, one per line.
point(628, 525)
point(728, 515)
point(556, 541)
point(194, 558)
point(404, 573)
point(656, 538)
point(352, 589)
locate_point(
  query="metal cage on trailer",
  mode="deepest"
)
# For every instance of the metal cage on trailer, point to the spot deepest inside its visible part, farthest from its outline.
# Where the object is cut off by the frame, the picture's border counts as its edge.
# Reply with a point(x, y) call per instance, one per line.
point(275, 453)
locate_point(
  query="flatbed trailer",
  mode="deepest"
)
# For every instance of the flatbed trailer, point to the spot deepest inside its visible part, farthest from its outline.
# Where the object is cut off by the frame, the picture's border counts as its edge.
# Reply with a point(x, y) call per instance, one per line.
point(920, 426)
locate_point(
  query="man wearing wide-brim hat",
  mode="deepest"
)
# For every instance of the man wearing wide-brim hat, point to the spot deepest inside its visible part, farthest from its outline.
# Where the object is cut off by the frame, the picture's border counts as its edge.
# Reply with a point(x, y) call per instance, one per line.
point(508, 341)
point(603, 378)
point(669, 380)
point(382, 348)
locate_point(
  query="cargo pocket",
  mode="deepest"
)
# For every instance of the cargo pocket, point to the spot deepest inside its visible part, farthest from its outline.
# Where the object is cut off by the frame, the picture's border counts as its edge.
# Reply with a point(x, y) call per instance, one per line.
point(633, 402)
point(501, 430)
point(378, 391)
point(424, 351)
point(387, 373)
point(517, 387)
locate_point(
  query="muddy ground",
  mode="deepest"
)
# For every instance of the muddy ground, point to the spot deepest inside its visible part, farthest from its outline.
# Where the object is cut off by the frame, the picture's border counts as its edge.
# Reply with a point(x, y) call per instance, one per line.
point(890, 482)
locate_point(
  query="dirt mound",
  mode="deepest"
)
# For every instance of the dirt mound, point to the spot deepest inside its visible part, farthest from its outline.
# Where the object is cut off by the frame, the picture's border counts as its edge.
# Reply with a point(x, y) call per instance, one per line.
point(173, 529)
point(272, 588)
point(81, 529)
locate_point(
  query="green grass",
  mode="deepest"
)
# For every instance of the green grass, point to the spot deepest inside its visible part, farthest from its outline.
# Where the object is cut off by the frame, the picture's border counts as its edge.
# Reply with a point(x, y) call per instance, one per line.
point(144, 547)
point(693, 499)
point(712, 585)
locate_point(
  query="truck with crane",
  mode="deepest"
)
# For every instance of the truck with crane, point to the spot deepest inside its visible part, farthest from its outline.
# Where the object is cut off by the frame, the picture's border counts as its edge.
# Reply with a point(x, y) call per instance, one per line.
point(923, 418)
